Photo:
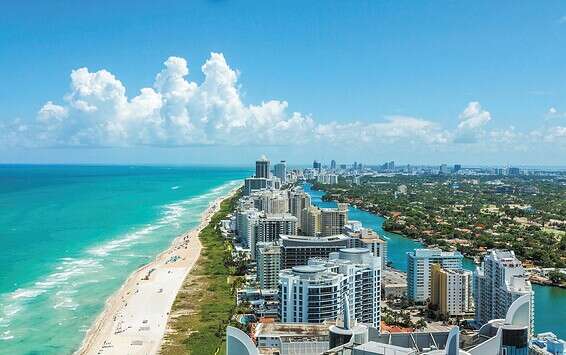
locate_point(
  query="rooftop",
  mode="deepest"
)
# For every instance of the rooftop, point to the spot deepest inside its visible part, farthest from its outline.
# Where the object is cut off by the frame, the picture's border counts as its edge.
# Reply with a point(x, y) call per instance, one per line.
point(423, 253)
point(308, 269)
point(291, 329)
point(314, 239)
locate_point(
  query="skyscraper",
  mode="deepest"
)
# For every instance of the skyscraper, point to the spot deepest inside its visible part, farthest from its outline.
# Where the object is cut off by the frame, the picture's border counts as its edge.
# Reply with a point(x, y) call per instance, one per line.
point(317, 166)
point(310, 220)
point(314, 293)
point(262, 167)
point(310, 294)
point(451, 290)
point(332, 220)
point(270, 227)
point(333, 164)
point(271, 201)
point(298, 200)
point(497, 283)
point(280, 170)
point(268, 265)
point(246, 221)
point(298, 249)
point(362, 271)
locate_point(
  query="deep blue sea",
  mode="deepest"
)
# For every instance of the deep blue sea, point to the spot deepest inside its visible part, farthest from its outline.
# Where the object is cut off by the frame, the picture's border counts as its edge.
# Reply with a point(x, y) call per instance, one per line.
point(70, 235)
point(550, 302)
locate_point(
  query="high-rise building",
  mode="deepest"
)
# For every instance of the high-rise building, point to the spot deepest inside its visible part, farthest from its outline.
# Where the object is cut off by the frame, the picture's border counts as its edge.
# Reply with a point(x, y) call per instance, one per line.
point(333, 164)
point(298, 200)
point(268, 265)
point(497, 283)
point(419, 264)
point(246, 224)
point(270, 227)
point(255, 184)
point(362, 271)
point(331, 179)
point(457, 167)
point(513, 171)
point(310, 220)
point(366, 238)
point(280, 171)
point(314, 293)
point(262, 167)
point(333, 220)
point(310, 294)
point(388, 166)
point(451, 291)
point(317, 166)
point(298, 249)
point(271, 201)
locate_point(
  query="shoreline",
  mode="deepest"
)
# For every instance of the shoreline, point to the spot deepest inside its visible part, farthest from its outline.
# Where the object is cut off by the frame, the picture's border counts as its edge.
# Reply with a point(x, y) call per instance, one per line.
point(135, 317)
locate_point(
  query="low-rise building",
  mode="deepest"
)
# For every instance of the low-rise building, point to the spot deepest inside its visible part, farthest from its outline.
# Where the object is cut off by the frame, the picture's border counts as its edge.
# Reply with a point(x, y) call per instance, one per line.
point(292, 338)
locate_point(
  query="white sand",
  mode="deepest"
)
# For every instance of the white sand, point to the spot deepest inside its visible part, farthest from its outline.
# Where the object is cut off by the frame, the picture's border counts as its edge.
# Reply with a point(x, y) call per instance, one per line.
point(135, 317)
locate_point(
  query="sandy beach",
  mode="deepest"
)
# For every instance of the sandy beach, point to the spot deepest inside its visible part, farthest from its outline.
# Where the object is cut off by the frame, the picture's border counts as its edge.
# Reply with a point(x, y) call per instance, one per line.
point(135, 317)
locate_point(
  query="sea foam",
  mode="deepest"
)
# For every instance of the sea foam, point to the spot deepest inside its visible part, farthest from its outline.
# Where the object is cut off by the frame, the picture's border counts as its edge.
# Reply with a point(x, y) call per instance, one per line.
point(60, 288)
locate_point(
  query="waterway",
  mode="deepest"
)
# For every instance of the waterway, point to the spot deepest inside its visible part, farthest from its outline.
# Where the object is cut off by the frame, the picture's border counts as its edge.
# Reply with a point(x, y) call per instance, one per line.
point(550, 302)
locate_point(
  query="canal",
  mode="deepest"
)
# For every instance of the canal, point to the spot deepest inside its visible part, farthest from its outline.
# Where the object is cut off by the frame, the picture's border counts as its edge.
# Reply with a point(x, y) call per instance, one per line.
point(550, 302)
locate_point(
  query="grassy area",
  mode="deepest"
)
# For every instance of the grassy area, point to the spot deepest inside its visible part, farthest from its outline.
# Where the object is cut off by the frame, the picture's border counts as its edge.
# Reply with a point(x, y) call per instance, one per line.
point(205, 304)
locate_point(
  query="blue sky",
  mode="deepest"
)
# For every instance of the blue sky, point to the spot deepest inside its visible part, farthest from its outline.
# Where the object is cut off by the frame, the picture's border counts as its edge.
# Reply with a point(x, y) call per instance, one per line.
point(418, 82)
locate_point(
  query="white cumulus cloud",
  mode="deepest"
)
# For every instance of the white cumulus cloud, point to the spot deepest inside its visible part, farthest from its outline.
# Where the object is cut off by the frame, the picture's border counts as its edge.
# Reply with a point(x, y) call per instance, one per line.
point(472, 121)
point(174, 111)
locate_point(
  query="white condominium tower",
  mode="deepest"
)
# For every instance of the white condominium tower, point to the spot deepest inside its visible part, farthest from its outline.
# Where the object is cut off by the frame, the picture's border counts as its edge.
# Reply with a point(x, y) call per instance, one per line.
point(497, 283)
point(362, 271)
point(310, 294)
point(314, 293)
point(246, 225)
point(419, 271)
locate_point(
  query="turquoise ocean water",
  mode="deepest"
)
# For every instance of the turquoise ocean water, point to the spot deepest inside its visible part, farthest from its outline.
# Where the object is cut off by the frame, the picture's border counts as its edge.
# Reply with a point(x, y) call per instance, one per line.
point(550, 302)
point(70, 235)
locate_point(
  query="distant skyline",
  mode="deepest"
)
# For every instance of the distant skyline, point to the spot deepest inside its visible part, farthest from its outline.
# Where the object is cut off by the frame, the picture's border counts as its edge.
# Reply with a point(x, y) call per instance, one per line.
point(222, 82)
